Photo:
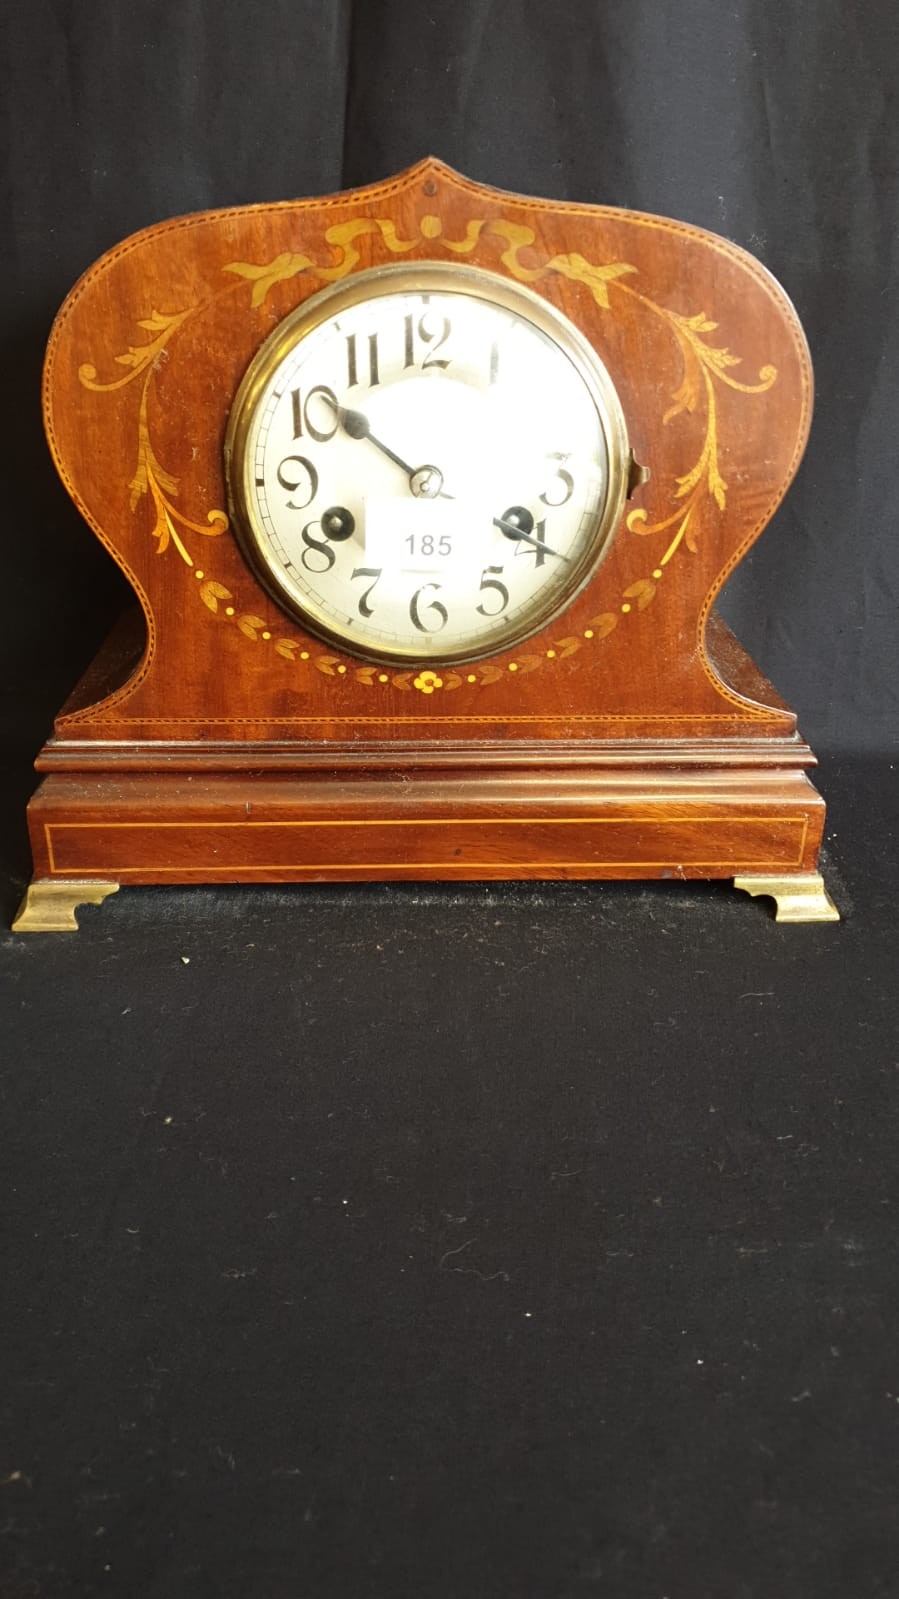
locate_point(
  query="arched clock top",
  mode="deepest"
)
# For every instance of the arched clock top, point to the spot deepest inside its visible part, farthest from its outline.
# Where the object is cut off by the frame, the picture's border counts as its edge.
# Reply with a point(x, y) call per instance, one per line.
point(703, 350)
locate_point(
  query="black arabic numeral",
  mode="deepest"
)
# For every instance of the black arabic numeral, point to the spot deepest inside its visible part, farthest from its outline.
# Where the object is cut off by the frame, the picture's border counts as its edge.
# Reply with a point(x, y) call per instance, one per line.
point(337, 524)
point(567, 486)
point(304, 422)
point(321, 547)
point(306, 478)
point(432, 605)
point(367, 571)
point(537, 538)
point(489, 583)
point(428, 335)
point(352, 369)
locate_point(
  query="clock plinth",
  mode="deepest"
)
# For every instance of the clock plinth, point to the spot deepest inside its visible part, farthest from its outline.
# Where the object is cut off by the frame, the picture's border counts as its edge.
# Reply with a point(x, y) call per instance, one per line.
point(626, 735)
point(451, 825)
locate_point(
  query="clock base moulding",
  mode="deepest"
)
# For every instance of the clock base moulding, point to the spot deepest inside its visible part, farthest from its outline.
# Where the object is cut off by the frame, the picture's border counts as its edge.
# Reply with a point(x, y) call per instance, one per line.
point(91, 833)
point(112, 813)
point(628, 736)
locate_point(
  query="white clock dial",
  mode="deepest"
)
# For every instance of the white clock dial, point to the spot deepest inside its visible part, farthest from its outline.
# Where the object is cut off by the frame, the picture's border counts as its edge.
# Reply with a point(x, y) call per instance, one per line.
point(426, 464)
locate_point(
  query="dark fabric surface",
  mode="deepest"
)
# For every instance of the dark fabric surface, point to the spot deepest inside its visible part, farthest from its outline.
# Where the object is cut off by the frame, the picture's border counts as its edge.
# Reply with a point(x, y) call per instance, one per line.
point(462, 1242)
point(398, 1242)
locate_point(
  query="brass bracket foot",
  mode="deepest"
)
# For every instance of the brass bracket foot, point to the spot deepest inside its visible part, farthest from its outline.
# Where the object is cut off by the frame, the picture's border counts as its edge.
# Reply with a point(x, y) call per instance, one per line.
point(49, 907)
point(800, 898)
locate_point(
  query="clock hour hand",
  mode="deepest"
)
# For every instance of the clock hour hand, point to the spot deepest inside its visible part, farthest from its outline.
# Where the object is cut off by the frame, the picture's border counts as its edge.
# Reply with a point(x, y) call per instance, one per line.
point(517, 524)
point(426, 482)
point(357, 426)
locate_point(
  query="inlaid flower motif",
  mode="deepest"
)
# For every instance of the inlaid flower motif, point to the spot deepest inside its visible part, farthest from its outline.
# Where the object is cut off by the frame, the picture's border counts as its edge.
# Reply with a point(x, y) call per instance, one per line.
point(426, 682)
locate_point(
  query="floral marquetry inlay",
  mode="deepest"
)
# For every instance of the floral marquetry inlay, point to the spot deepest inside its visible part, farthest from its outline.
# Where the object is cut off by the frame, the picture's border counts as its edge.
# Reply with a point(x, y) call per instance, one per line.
point(693, 495)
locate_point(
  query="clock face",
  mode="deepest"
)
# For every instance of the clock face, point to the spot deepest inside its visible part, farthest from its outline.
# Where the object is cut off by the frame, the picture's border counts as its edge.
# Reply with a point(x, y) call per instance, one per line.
point(425, 464)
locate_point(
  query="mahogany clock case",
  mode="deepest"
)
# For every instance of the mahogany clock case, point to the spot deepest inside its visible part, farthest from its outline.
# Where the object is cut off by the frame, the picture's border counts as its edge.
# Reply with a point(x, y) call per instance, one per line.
point(630, 736)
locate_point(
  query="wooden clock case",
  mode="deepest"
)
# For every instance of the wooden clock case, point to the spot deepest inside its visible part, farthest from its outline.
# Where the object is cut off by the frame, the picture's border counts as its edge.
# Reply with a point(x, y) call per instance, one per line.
point(215, 741)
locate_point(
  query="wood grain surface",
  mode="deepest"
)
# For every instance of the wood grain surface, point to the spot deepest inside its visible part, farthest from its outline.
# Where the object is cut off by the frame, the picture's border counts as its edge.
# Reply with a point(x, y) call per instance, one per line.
point(511, 766)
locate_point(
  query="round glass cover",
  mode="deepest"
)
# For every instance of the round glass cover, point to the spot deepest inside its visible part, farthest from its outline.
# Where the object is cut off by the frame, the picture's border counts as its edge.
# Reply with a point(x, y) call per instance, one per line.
point(425, 463)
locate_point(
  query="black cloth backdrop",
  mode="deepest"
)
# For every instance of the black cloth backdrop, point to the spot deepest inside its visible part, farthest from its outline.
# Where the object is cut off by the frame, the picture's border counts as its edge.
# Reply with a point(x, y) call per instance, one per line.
point(772, 123)
point(420, 1243)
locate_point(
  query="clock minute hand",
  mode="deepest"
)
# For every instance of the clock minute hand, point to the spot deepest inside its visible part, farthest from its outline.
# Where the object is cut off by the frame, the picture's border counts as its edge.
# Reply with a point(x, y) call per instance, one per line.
point(513, 532)
point(426, 482)
point(357, 426)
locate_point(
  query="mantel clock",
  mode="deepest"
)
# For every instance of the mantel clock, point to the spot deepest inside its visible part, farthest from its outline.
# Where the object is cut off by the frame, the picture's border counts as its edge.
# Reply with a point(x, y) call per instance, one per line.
point(425, 492)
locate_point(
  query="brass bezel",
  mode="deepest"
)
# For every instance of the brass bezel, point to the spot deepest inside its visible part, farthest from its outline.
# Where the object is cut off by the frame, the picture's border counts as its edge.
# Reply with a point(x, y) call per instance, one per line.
point(421, 276)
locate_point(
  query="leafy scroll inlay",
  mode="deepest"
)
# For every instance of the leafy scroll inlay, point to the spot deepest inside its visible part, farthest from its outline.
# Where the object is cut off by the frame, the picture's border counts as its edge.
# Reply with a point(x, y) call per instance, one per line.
point(139, 356)
point(150, 477)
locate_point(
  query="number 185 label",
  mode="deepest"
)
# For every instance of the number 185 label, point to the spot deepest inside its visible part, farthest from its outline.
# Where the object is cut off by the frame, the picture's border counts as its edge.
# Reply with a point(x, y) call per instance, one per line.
point(420, 535)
